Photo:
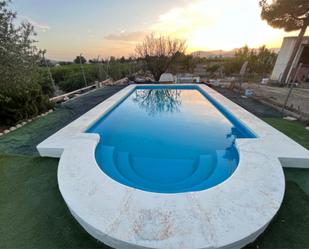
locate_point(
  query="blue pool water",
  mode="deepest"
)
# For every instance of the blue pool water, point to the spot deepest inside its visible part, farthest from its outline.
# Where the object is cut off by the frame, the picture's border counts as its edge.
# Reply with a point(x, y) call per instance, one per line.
point(168, 140)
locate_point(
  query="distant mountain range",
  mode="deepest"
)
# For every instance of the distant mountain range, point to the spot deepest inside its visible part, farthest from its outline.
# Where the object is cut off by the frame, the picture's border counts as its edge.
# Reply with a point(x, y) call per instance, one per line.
point(220, 53)
point(203, 54)
point(214, 53)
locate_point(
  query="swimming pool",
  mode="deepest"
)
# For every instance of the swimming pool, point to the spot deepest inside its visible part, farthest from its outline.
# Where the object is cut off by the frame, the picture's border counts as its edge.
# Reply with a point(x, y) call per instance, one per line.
point(151, 214)
point(168, 140)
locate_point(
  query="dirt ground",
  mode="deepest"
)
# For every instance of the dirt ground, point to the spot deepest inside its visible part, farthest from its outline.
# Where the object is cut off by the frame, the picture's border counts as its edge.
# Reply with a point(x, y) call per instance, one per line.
point(298, 101)
point(252, 105)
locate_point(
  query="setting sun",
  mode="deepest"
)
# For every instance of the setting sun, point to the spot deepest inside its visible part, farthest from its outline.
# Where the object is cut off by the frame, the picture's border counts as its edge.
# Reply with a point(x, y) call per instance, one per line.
point(207, 26)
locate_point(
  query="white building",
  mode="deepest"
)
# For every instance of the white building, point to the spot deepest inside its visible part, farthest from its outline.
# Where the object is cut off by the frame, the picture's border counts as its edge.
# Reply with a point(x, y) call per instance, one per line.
point(284, 56)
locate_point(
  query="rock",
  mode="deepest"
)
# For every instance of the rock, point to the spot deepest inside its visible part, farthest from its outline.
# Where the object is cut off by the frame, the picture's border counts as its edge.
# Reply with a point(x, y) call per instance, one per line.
point(149, 79)
point(18, 126)
point(289, 118)
point(29, 120)
point(142, 77)
point(23, 123)
point(6, 131)
point(215, 82)
point(13, 128)
point(1, 134)
point(307, 128)
point(51, 110)
point(108, 82)
point(123, 81)
point(140, 80)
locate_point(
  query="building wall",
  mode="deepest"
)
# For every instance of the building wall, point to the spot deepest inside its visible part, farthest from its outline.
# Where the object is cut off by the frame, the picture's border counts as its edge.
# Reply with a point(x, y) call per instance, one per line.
point(284, 55)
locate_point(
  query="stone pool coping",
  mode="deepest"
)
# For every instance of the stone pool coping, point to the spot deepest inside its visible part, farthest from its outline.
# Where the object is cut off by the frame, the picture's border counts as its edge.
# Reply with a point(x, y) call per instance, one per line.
point(230, 215)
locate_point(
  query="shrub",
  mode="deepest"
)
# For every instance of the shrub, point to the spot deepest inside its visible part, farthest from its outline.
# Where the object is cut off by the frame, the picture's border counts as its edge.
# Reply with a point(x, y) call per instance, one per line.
point(21, 96)
point(72, 81)
point(70, 78)
point(22, 102)
point(45, 83)
point(261, 61)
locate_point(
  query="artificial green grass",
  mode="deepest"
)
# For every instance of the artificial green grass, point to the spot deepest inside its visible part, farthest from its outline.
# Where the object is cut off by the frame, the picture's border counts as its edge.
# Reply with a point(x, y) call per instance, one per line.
point(34, 215)
point(293, 129)
point(299, 176)
point(289, 229)
point(32, 211)
point(23, 140)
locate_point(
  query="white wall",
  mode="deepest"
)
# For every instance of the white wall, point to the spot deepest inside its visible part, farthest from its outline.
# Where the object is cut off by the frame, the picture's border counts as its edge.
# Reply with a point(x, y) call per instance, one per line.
point(284, 55)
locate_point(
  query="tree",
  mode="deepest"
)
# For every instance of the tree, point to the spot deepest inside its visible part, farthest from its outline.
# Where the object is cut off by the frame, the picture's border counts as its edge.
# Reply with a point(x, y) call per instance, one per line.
point(187, 62)
point(80, 59)
point(264, 61)
point(289, 15)
point(20, 94)
point(213, 68)
point(93, 61)
point(183, 63)
point(260, 61)
point(122, 60)
point(112, 59)
point(241, 55)
point(156, 102)
point(159, 53)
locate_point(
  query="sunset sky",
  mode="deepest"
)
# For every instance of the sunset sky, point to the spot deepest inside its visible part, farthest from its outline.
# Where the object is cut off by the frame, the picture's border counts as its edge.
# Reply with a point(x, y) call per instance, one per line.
point(103, 27)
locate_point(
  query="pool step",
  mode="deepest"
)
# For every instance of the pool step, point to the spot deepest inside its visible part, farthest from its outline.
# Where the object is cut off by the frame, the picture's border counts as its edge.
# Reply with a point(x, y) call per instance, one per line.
point(165, 174)
point(204, 170)
point(219, 174)
point(144, 170)
point(124, 166)
point(163, 170)
point(107, 163)
point(135, 169)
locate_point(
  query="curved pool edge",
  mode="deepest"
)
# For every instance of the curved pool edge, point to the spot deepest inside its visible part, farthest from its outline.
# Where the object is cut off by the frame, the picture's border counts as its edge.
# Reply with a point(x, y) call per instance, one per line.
point(89, 193)
point(185, 220)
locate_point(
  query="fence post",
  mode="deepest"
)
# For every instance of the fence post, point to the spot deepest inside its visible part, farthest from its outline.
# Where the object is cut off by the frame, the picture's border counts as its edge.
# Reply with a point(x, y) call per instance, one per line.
point(291, 88)
point(82, 68)
point(49, 72)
